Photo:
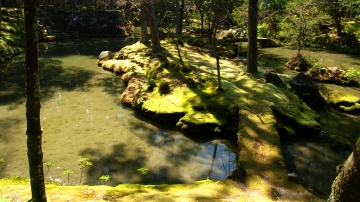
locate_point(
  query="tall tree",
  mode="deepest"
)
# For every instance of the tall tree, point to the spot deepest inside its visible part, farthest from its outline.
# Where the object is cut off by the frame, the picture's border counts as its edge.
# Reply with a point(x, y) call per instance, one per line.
point(346, 185)
point(302, 16)
point(252, 37)
point(33, 130)
point(179, 15)
point(143, 24)
point(155, 40)
point(0, 16)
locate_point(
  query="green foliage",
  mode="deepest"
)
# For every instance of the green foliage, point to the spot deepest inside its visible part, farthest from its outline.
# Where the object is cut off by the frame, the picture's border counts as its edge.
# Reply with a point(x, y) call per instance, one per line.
point(143, 170)
point(68, 172)
point(298, 21)
point(263, 30)
point(48, 164)
point(2, 199)
point(105, 178)
point(351, 74)
point(2, 160)
point(83, 163)
point(151, 84)
point(164, 87)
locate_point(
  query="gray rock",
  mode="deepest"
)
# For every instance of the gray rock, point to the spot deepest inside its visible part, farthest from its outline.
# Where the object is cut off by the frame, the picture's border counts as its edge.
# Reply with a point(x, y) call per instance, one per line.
point(105, 55)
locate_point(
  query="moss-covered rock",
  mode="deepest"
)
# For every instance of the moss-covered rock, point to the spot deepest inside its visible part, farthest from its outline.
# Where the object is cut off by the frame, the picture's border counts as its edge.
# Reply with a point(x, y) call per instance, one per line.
point(338, 143)
point(344, 102)
point(298, 63)
point(295, 117)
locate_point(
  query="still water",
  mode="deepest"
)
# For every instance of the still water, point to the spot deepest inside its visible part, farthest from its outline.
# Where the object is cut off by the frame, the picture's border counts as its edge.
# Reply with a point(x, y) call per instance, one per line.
point(312, 159)
point(81, 116)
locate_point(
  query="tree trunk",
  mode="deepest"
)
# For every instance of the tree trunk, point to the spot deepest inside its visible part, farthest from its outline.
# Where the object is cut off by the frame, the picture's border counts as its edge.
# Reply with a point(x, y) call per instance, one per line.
point(143, 21)
point(33, 130)
point(216, 54)
point(0, 16)
point(155, 41)
point(252, 37)
point(181, 16)
point(346, 185)
point(336, 16)
point(177, 11)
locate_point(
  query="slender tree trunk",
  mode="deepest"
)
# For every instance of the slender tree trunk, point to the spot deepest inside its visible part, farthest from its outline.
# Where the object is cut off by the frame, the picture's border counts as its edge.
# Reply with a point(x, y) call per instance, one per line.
point(177, 11)
point(0, 16)
point(252, 37)
point(143, 21)
point(181, 16)
point(336, 16)
point(155, 41)
point(347, 184)
point(216, 54)
point(337, 21)
point(33, 130)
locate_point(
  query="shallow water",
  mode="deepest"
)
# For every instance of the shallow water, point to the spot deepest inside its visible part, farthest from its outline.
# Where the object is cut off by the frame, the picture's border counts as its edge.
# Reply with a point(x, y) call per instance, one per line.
point(313, 160)
point(81, 116)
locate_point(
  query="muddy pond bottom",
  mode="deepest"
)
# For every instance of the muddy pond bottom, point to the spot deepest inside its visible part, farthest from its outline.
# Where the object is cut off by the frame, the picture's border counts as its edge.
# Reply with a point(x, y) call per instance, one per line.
point(81, 116)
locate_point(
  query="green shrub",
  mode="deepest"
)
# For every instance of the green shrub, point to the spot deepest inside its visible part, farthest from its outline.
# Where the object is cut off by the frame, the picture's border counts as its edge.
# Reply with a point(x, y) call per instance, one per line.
point(351, 74)
point(151, 84)
point(164, 87)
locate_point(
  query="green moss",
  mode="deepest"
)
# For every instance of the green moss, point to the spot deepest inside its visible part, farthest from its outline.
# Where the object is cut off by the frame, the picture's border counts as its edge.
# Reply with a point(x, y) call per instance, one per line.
point(344, 102)
point(164, 87)
point(338, 143)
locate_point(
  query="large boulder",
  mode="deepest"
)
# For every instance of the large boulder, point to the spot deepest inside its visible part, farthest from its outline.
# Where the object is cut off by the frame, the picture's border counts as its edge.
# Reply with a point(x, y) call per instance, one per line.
point(307, 90)
point(272, 77)
point(294, 117)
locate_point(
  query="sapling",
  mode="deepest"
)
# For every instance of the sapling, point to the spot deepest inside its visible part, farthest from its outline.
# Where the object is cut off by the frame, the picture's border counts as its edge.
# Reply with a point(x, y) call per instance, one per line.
point(68, 172)
point(105, 178)
point(83, 163)
point(2, 160)
point(48, 164)
point(143, 170)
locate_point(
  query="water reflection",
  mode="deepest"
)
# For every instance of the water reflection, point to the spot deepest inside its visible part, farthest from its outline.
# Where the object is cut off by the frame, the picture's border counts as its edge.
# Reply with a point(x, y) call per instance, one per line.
point(81, 116)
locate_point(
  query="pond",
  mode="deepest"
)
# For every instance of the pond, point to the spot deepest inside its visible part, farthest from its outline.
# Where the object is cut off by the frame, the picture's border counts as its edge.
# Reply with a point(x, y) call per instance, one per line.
point(81, 115)
point(311, 159)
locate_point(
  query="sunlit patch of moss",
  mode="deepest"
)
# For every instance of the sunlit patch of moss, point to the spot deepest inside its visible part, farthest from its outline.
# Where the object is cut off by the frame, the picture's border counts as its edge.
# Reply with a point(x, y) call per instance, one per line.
point(344, 102)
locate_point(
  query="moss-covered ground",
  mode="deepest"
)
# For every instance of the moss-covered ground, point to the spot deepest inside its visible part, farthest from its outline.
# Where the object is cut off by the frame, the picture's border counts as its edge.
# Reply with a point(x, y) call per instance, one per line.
point(245, 107)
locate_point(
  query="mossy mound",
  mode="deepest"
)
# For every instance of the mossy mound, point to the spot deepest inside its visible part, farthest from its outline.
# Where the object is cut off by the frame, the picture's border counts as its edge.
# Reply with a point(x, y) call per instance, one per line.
point(298, 63)
point(194, 93)
point(339, 144)
point(332, 75)
point(248, 108)
point(344, 102)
